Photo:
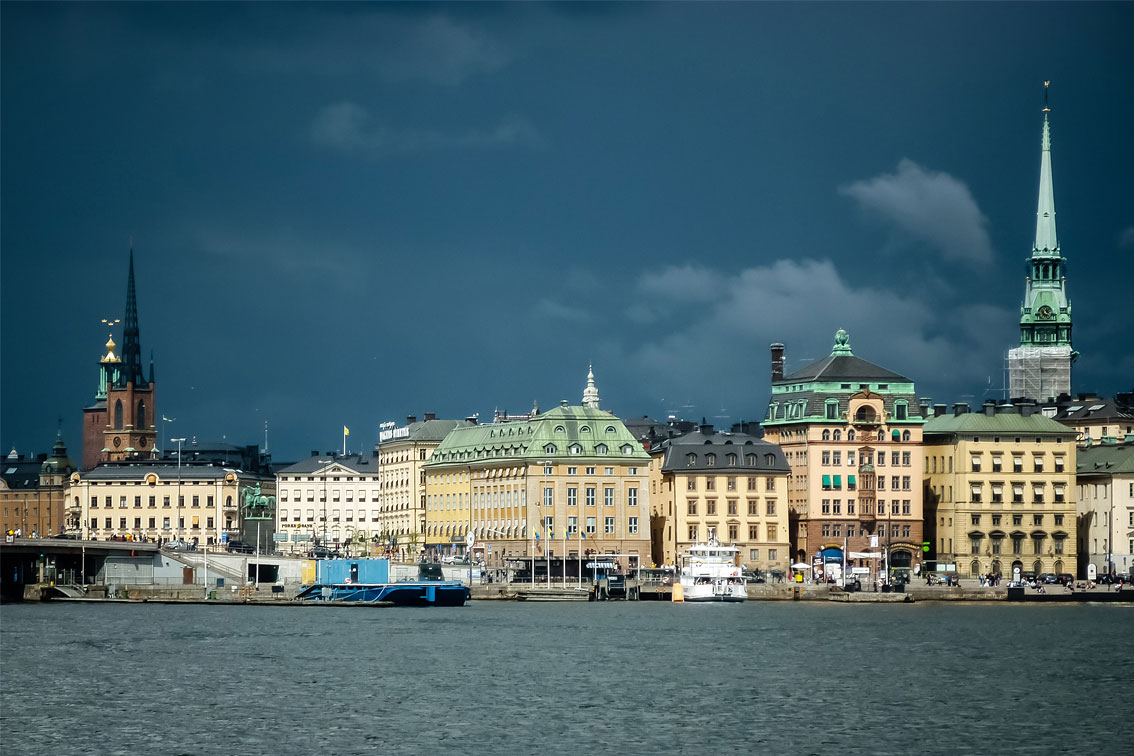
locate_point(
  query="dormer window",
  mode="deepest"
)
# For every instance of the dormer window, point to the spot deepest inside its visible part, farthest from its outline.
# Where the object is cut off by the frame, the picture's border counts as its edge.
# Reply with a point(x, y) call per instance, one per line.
point(711, 460)
point(627, 449)
point(549, 449)
point(731, 460)
point(600, 449)
point(690, 459)
point(575, 449)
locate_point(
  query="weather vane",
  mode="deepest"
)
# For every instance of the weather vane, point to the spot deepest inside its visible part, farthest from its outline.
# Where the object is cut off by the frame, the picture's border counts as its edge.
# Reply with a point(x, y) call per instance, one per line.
point(1046, 109)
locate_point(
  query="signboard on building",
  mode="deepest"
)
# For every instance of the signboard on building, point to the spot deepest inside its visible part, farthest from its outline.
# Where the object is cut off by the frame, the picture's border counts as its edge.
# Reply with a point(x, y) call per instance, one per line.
point(391, 432)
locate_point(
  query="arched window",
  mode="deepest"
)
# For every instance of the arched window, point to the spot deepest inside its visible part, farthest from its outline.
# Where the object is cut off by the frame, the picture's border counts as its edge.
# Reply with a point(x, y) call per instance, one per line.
point(905, 435)
point(881, 435)
point(731, 460)
point(585, 429)
point(140, 417)
point(711, 460)
point(826, 434)
point(865, 414)
point(560, 429)
point(850, 435)
point(837, 435)
point(750, 460)
point(117, 414)
point(691, 459)
point(610, 429)
point(769, 459)
point(896, 435)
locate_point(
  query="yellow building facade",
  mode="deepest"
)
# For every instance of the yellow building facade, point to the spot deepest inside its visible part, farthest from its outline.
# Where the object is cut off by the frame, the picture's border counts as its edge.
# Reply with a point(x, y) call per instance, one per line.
point(727, 487)
point(1000, 492)
point(569, 479)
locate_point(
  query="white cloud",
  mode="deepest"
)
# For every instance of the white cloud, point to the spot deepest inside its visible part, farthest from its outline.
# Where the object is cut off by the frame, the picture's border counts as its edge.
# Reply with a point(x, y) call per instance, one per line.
point(931, 207)
point(1126, 237)
point(720, 350)
point(348, 127)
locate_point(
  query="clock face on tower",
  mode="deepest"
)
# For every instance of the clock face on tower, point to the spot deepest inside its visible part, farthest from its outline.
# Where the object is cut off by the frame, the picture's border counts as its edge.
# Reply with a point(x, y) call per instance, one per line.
point(117, 442)
point(142, 442)
point(1044, 312)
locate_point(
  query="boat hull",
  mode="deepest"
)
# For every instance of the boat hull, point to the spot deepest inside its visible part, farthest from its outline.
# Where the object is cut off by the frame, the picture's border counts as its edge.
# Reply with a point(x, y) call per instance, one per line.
point(417, 593)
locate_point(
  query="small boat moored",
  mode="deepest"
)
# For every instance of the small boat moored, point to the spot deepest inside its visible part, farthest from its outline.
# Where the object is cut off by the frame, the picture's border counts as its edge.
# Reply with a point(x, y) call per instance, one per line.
point(709, 573)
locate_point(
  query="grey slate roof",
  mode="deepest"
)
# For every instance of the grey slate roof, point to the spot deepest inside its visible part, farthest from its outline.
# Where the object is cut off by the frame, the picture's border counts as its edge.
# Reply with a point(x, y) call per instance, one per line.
point(167, 471)
point(843, 368)
point(360, 464)
point(20, 475)
point(769, 457)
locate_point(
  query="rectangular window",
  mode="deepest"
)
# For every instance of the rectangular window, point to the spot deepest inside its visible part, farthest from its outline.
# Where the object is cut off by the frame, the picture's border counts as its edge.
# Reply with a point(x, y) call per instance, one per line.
point(769, 484)
point(826, 457)
point(753, 532)
point(753, 508)
point(548, 496)
point(753, 555)
point(906, 506)
point(1059, 519)
point(826, 530)
point(589, 493)
point(751, 484)
point(589, 470)
point(153, 523)
point(1037, 519)
point(732, 506)
point(572, 525)
point(165, 523)
point(975, 519)
point(894, 457)
point(693, 507)
point(850, 506)
point(572, 496)
point(1037, 463)
point(731, 485)
point(710, 484)
point(632, 527)
point(837, 530)
point(976, 463)
point(609, 526)
point(1017, 464)
point(772, 554)
point(836, 457)
point(692, 532)
point(826, 506)
point(591, 527)
point(121, 502)
point(122, 523)
point(770, 507)
point(711, 507)
point(691, 484)
point(196, 501)
point(153, 503)
point(608, 470)
point(837, 506)
point(1059, 463)
point(608, 496)
point(997, 463)
point(632, 497)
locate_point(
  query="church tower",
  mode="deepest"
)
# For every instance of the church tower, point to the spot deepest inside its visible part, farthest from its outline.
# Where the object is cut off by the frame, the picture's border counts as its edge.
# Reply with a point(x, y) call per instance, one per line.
point(1040, 368)
point(120, 424)
point(590, 393)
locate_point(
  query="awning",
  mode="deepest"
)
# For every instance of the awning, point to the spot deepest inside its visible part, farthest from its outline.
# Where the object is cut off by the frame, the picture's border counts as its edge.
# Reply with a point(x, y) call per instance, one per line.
point(838, 481)
point(826, 481)
point(850, 480)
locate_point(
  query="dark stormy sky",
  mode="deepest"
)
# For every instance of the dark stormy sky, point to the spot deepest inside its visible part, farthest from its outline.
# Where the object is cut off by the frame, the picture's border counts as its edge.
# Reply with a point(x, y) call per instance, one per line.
point(344, 214)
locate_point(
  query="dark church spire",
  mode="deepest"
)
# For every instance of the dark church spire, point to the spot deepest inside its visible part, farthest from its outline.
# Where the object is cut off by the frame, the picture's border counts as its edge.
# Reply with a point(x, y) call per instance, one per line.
point(131, 340)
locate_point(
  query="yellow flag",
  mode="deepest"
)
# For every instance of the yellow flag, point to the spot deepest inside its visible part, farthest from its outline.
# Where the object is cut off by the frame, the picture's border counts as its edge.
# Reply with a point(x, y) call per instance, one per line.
point(346, 431)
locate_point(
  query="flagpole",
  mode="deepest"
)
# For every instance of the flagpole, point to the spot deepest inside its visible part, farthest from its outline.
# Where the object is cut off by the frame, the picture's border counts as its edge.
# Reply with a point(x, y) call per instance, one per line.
point(532, 540)
point(564, 557)
point(550, 540)
point(580, 555)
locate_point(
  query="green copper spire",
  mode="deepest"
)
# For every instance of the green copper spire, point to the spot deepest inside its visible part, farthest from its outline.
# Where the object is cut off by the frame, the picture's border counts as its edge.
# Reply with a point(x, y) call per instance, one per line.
point(1045, 315)
point(842, 345)
point(1046, 240)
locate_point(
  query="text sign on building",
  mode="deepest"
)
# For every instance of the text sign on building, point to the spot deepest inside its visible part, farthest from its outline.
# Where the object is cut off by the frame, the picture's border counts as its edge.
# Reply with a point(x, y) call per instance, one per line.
point(390, 432)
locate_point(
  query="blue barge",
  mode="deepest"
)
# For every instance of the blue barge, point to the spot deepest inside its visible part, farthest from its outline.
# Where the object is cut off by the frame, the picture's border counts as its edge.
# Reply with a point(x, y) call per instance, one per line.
point(367, 581)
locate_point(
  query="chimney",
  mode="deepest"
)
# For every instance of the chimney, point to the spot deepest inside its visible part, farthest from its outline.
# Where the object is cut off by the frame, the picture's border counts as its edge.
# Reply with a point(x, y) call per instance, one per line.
point(777, 362)
point(411, 419)
point(960, 408)
point(430, 416)
point(989, 407)
point(706, 428)
point(314, 452)
point(939, 410)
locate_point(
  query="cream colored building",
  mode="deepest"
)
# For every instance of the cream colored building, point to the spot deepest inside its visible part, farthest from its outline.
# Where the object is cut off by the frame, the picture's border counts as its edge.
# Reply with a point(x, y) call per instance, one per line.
point(729, 487)
point(402, 453)
point(1105, 482)
point(330, 500)
point(574, 473)
point(1000, 491)
point(150, 501)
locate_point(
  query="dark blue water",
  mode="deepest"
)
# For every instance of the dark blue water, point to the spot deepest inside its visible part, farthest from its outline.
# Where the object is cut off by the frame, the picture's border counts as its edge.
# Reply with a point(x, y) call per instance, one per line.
point(512, 678)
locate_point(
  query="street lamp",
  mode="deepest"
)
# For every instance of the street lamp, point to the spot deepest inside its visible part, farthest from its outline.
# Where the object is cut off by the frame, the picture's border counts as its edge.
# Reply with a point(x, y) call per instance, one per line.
point(177, 525)
point(164, 431)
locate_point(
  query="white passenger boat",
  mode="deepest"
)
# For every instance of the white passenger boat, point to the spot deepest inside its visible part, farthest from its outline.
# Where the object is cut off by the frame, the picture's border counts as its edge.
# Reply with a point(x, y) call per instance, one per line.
point(709, 573)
